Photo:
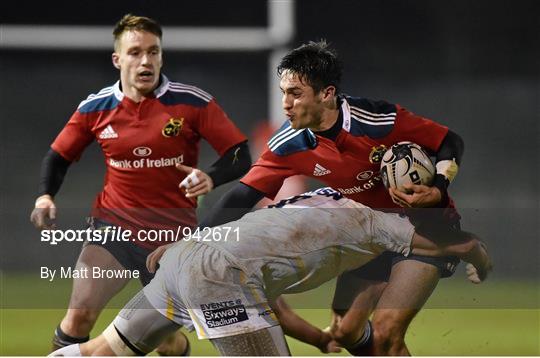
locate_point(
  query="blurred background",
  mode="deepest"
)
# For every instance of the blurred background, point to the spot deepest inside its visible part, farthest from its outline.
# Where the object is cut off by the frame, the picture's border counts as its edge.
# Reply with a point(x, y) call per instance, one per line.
point(470, 65)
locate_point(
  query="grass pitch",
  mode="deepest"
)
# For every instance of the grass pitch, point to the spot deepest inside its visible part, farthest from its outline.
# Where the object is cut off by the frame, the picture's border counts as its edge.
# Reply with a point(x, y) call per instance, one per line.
point(495, 318)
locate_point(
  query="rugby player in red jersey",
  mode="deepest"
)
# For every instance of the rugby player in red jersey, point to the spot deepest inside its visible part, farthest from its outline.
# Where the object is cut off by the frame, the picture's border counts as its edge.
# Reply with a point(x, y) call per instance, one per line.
point(339, 140)
point(149, 129)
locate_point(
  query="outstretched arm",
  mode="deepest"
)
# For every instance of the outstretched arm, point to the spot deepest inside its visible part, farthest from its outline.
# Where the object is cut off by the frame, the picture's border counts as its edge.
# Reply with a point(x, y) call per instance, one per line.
point(233, 205)
point(296, 327)
point(466, 246)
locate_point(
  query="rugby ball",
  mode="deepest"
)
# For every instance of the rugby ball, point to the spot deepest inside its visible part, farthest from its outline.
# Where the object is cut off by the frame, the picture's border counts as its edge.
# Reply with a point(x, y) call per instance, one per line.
point(406, 163)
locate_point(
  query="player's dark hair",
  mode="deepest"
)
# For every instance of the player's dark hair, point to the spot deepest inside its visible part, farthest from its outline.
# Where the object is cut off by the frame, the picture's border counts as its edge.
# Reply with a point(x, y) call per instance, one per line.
point(136, 23)
point(315, 63)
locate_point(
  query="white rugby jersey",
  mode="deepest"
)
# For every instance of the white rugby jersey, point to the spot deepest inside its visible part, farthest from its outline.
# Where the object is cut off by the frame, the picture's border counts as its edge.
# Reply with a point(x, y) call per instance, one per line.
point(306, 240)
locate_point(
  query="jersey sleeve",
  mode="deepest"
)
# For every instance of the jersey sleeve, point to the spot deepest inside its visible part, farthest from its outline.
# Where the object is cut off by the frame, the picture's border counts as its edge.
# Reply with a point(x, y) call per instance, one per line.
point(216, 127)
point(411, 127)
point(268, 173)
point(74, 137)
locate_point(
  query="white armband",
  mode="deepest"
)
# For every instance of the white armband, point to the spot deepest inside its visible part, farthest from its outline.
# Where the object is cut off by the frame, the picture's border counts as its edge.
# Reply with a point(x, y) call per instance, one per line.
point(448, 168)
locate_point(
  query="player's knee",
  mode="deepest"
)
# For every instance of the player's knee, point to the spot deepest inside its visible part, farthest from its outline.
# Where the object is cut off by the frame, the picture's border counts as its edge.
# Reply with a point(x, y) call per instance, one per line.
point(386, 343)
point(388, 335)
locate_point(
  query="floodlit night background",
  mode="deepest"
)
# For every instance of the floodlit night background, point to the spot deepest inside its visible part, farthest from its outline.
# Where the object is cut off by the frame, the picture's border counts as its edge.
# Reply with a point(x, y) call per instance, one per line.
point(470, 65)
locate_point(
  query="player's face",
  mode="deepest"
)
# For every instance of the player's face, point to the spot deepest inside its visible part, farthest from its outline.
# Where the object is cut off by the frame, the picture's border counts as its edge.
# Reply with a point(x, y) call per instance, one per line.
point(138, 57)
point(301, 104)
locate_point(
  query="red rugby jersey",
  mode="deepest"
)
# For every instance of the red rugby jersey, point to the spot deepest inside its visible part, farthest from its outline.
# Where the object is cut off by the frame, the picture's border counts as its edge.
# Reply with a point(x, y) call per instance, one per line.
point(142, 143)
point(350, 164)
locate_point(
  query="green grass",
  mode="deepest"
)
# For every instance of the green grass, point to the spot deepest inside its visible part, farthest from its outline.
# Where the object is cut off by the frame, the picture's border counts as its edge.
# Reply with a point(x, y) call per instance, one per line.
point(496, 318)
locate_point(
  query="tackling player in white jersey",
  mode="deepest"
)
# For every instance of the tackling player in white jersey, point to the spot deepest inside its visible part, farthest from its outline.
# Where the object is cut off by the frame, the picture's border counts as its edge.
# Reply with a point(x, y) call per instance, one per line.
point(227, 291)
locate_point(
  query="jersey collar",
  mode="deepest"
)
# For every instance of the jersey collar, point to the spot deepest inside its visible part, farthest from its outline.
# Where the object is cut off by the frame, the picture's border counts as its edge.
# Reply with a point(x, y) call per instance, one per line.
point(346, 113)
point(118, 91)
point(163, 86)
point(158, 92)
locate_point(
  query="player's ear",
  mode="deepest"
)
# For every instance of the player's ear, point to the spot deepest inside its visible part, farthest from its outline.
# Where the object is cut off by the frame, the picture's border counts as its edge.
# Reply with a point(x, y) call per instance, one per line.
point(161, 60)
point(328, 93)
point(116, 60)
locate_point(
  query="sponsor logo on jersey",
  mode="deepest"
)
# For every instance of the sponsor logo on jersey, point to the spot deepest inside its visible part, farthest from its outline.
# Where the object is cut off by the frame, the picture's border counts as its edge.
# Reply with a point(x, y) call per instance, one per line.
point(377, 153)
point(142, 151)
point(368, 185)
point(146, 162)
point(173, 127)
point(365, 175)
point(320, 170)
point(108, 133)
point(224, 313)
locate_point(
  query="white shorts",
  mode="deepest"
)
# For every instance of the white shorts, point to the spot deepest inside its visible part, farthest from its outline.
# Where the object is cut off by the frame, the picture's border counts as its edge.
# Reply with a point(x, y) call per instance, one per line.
point(220, 298)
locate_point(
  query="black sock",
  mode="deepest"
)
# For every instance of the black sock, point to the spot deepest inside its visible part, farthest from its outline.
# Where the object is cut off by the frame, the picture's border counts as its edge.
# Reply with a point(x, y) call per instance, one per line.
point(360, 346)
point(62, 340)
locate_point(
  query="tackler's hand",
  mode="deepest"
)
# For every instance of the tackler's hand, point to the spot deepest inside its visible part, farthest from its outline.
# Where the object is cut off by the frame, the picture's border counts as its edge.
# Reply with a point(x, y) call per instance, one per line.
point(327, 343)
point(196, 182)
point(478, 272)
point(44, 213)
point(417, 196)
point(153, 258)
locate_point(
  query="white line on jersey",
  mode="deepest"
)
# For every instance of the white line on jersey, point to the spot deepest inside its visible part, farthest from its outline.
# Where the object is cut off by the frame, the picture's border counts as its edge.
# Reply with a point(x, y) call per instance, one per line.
point(293, 134)
point(280, 135)
point(177, 87)
point(370, 115)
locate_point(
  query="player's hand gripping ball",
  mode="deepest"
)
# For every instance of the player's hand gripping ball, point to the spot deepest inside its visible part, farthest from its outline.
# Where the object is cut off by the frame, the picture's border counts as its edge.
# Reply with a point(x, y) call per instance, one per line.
point(406, 163)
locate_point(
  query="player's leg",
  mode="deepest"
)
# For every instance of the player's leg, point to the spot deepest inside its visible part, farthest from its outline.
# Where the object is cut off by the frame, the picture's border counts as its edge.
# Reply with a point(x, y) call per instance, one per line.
point(137, 330)
point(88, 296)
point(354, 301)
point(176, 344)
point(410, 284)
point(359, 290)
point(395, 305)
point(264, 342)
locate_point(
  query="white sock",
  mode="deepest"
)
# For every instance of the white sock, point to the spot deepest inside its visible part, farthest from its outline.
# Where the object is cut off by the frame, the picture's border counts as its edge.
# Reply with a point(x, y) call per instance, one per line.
point(73, 350)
